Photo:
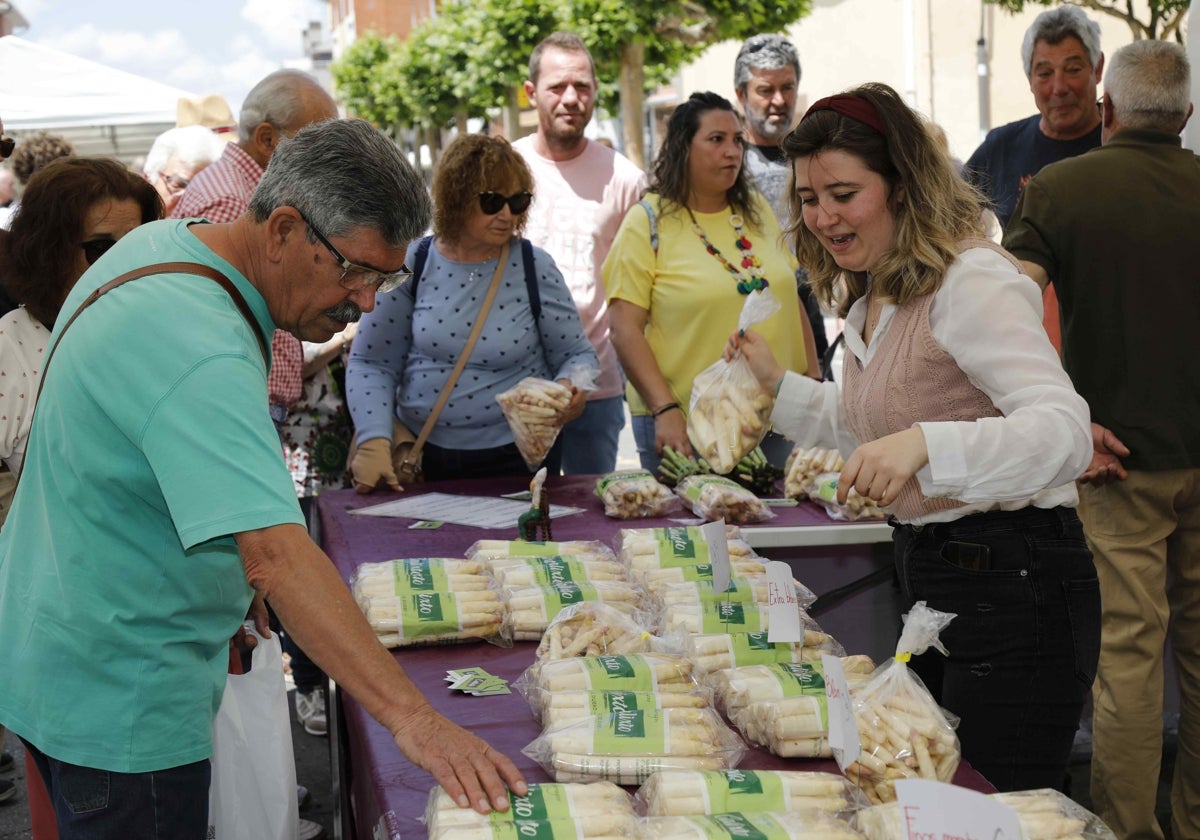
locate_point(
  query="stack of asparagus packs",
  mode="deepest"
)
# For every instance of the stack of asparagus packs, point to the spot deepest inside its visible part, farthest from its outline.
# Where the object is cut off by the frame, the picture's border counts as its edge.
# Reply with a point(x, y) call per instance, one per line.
point(597, 811)
point(903, 732)
point(1043, 814)
point(534, 409)
point(782, 706)
point(429, 600)
point(824, 800)
point(635, 494)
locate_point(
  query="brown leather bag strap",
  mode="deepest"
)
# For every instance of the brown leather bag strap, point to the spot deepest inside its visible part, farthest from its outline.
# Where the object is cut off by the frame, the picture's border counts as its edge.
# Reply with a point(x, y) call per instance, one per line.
point(414, 454)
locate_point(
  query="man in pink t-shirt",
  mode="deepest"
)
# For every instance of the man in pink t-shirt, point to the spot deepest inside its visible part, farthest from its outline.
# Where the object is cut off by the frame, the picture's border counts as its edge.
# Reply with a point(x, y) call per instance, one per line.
point(582, 190)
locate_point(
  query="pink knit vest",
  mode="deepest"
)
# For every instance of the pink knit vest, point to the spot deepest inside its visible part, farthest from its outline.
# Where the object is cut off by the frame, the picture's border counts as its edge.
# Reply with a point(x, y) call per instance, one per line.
point(912, 379)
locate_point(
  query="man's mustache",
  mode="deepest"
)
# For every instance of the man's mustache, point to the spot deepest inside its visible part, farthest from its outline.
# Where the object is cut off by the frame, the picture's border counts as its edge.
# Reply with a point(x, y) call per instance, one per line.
point(347, 312)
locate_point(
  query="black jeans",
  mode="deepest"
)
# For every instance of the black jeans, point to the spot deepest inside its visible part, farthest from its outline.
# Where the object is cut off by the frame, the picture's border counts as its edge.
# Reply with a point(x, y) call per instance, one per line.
point(439, 464)
point(1024, 645)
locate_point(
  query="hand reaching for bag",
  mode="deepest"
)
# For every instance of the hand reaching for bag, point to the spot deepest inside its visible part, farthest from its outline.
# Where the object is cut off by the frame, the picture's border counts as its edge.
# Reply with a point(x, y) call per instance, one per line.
point(880, 468)
point(371, 466)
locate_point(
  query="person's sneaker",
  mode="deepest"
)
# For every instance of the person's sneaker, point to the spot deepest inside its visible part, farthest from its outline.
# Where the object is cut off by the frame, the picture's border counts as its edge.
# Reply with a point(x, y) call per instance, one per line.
point(6, 762)
point(310, 710)
point(309, 830)
point(7, 790)
point(303, 797)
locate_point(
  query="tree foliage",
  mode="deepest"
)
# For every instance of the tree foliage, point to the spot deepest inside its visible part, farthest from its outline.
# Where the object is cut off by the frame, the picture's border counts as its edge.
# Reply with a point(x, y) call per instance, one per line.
point(1161, 18)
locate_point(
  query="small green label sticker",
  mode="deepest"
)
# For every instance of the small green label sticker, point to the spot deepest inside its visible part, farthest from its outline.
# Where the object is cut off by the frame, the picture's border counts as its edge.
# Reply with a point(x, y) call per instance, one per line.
point(419, 574)
point(639, 732)
point(744, 791)
point(620, 475)
point(618, 673)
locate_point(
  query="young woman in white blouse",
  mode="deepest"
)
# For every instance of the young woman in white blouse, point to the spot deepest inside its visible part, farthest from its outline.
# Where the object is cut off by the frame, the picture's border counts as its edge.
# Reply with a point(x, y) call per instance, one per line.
point(955, 413)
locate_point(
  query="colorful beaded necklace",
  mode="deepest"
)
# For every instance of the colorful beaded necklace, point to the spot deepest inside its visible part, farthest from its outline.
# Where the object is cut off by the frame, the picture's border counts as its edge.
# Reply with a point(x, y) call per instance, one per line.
point(749, 262)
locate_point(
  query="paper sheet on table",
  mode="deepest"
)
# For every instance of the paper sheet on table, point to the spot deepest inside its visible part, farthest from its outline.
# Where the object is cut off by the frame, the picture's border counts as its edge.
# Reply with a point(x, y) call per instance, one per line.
point(477, 511)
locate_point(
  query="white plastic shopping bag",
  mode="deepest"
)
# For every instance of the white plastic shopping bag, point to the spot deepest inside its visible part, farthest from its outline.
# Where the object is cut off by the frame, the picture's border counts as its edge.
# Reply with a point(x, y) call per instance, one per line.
point(253, 790)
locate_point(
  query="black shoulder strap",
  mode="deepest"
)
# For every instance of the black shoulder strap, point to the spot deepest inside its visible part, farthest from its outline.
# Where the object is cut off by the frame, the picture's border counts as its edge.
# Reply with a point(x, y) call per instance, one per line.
point(531, 284)
point(419, 259)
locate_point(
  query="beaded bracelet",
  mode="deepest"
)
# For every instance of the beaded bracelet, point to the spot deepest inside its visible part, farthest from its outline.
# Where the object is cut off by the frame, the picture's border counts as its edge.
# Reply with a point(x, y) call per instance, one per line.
point(664, 409)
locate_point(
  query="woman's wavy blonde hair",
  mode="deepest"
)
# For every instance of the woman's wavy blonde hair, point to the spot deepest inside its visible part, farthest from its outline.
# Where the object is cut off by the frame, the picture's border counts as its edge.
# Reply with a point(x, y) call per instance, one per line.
point(933, 207)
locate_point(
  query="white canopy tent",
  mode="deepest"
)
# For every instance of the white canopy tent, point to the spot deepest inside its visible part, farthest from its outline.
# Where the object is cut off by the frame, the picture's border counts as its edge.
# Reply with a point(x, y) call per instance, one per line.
point(102, 111)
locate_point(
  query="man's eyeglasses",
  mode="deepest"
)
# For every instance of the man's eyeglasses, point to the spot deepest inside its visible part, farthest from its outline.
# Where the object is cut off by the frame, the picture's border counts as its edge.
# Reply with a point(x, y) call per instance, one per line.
point(492, 203)
point(94, 249)
point(7, 144)
point(174, 183)
point(358, 277)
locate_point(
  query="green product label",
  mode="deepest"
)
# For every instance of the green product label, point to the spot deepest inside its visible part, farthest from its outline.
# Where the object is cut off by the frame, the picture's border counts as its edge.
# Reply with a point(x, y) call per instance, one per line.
point(680, 546)
point(618, 673)
point(557, 596)
point(700, 571)
point(621, 475)
point(827, 489)
point(729, 617)
point(739, 590)
point(749, 826)
point(744, 790)
point(535, 830)
point(754, 649)
point(639, 732)
point(799, 678)
point(524, 548)
point(545, 801)
point(427, 614)
point(551, 571)
point(697, 485)
point(607, 702)
point(419, 574)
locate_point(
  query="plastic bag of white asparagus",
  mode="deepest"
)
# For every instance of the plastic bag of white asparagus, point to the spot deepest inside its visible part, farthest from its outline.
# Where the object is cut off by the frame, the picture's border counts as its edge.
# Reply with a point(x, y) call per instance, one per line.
point(803, 465)
point(530, 609)
point(778, 825)
point(737, 688)
point(545, 802)
point(635, 494)
point(626, 747)
point(903, 732)
point(730, 411)
point(535, 410)
point(823, 490)
point(721, 615)
point(418, 574)
point(676, 792)
point(594, 628)
point(580, 549)
point(714, 651)
point(650, 549)
point(713, 497)
point(1044, 815)
point(747, 590)
point(425, 618)
point(557, 708)
point(653, 672)
point(539, 571)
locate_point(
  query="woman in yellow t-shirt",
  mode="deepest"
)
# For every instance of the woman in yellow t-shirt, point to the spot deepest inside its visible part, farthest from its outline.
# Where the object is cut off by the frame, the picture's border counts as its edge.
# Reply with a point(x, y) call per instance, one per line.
point(679, 270)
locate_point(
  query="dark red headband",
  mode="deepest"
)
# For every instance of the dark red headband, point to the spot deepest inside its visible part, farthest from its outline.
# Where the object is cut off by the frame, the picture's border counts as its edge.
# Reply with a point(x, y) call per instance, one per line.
point(848, 105)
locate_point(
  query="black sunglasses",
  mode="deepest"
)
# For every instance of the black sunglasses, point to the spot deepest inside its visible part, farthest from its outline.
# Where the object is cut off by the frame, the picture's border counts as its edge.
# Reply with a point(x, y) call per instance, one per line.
point(492, 203)
point(94, 249)
point(7, 144)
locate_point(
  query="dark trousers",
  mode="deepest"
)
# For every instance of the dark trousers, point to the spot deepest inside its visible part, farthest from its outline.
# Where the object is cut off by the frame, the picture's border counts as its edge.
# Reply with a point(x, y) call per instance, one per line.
point(438, 464)
point(1024, 645)
point(92, 804)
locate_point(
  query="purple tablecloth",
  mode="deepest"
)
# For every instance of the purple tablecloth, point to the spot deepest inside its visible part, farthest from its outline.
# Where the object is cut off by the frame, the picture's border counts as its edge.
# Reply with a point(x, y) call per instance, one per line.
point(386, 793)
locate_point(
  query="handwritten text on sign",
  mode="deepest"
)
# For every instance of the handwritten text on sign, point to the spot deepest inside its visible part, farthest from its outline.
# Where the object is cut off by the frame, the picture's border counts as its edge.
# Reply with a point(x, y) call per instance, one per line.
point(783, 610)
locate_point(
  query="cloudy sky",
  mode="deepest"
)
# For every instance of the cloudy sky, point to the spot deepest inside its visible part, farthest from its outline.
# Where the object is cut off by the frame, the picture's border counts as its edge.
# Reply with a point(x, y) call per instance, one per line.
point(214, 46)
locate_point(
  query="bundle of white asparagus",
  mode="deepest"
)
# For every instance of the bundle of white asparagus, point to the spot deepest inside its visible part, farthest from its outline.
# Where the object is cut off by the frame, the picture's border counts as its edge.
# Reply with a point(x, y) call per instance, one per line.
point(714, 617)
point(778, 825)
point(676, 792)
point(530, 609)
point(644, 550)
point(538, 571)
point(593, 628)
point(558, 708)
point(823, 490)
point(585, 550)
point(748, 590)
point(803, 465)
point(729, 415)
point(737, 688)
point(534, 409)
point(903, 732)
point(626, 747)
point(635, 494)
point(385, 593)
point(1044, 815)
point(630, 672)
point(713, 497)
point(599, 827)
point(545, 801)
point(714, 651)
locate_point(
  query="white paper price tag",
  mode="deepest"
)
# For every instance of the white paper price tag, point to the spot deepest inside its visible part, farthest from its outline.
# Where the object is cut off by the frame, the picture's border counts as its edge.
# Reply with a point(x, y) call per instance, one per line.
point(783, 610)
point(843, 729)
point(932, 810)
point(718, 553)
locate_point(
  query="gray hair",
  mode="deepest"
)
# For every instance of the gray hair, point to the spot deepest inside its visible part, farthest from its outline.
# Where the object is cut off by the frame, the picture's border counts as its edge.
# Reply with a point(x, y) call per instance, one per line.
point(344, 175)
point(278, 99)
point(763, 52)
point(1055, 25)
point(192, 145)
point(1149, 84)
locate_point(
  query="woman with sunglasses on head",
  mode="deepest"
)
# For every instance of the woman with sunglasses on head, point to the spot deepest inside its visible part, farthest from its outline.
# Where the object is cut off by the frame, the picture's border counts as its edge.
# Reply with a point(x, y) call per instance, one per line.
point(679, 271)
point(73, 210)
point(405, 350)
point(955, 413)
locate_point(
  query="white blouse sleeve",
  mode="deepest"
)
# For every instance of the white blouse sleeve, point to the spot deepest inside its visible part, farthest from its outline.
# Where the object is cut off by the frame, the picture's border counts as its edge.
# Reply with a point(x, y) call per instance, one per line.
point(989, 318)
point(809, 413)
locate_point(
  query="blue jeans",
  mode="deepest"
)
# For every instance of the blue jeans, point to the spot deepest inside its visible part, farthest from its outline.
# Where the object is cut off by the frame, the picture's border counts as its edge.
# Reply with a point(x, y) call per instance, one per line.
point(92, 804)
point(1024, 645)
point(775, 446)
point(589, 442)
